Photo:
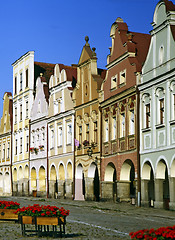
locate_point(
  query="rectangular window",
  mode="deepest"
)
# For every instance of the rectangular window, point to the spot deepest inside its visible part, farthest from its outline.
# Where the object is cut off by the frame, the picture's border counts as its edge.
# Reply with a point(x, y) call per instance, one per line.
point(15, 114)
point(123, 77)
point(27, 143)
point(60, 136)
point(15, 85)
point(87, 132)
point(114, 128)
point(95, 131)
point(106, 130)
point(147, 115)
point(69, 133)
point(21, 81)
point(161, 111)
point(132, 123)
point(122, 125)
point(3, 153)
point(52, 138)
point(174, 105)
point(21, 145)
point(16, 147)
point(20, 112)
point(80, 134)
point(0, 153)
point(8, 150)
point(114, 82)
point(27, 77)
point(27, 110)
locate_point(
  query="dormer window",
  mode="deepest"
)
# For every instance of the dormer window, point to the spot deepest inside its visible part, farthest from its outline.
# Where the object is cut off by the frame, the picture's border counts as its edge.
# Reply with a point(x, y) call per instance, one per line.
point(114, 82)
point(123, 77)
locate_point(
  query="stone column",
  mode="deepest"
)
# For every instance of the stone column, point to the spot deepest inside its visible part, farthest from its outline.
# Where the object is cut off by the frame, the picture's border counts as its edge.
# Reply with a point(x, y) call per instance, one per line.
point(69, 192)
point(172, 193)
point(158, 193)
point(107, 191)
point(89, 188)
point(25, 187)
point(144, 193)
point(15, 188)
point(61, 188)
point(52, 188)
point(20, 182)
point(79, 189)
point(123, 190)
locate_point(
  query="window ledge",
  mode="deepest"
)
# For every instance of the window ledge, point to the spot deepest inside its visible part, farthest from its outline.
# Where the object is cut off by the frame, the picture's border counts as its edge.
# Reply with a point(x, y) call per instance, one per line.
point(160, 126)
point(113, 89)
point(122, 84)
point(172, 122)
point(114, 140)
point(69, 144)
point(146, 129)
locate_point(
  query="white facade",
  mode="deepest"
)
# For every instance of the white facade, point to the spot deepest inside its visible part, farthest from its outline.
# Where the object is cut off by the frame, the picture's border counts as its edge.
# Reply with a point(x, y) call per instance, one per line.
point(38, 141)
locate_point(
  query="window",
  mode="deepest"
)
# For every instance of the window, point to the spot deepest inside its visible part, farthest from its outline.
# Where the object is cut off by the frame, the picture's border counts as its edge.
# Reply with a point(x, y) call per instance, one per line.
point(16, 147)
point(95, 131)
point(43, 136)
point(27, 77)
point(27, 110)
point(122, 125)
point(8, 150)
point(161, 111)
point(33, 139)
point(15, 85)
point(27, 143)
point(106, 130)
point(69, 133)
point(132, 123)
point(3, 153)
point(114, 82)
point(80, 134)
point(21, 81)
point(20, 112)
point(60, 136)
point(174, 105)
point(123, 76)
point(21, 145)
point(147, 115)
point(87, 131)
point(52, 138)
point(0, 152)
point(114, 128)
point(15, 114)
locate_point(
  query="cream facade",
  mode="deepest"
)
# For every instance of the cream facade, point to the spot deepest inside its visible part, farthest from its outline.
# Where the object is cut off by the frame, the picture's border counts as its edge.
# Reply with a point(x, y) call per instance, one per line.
point(61, 132)
point(88, 117)
point(23, 83)
point(38, 180)
point(5, 146)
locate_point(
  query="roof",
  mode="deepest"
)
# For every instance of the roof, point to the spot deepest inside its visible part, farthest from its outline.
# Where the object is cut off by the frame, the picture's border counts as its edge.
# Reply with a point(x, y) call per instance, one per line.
point(169, 5)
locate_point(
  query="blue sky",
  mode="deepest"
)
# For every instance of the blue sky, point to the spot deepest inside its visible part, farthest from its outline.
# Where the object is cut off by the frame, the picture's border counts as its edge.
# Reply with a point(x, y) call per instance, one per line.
point(55, 30)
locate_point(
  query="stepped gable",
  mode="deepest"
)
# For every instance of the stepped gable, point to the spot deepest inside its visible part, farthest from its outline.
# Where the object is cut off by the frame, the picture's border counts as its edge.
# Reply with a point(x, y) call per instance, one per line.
point(133, 42)
point(45, 88)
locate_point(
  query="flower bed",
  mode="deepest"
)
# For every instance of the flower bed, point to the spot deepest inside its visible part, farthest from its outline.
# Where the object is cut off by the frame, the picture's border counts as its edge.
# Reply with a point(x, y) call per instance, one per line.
point(42, 211)
point(8, 209)
point(163, 233)
point(42, 216)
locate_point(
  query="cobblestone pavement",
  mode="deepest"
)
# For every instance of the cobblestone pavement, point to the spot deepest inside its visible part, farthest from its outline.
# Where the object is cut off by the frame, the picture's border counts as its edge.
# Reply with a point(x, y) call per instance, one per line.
point(94, 220)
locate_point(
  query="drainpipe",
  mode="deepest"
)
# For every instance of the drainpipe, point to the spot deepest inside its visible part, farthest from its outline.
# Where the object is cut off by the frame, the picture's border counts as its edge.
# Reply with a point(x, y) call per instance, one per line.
point(47, 166)
point(138, 147)
point(29, 156)
point(74, 159)
point(100, 150)
point(11, 155)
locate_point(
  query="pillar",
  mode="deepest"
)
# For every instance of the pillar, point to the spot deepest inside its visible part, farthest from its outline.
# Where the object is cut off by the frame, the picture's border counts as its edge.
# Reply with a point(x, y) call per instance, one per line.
point(158, 193)
point(79, 189)
point(69, 192)
point(89, 188)
point(123, 190)
point(107, 191)
point(172, 193)
point(144, 193)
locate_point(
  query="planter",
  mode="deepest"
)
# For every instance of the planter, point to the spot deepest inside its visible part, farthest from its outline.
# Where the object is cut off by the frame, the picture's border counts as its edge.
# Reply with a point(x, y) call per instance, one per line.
point(27, 220)
point(8, 214)
point(47, 221)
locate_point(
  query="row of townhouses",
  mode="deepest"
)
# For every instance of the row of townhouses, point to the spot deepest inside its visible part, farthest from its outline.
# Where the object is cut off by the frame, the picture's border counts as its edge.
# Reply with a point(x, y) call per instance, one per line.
point(87, 133)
